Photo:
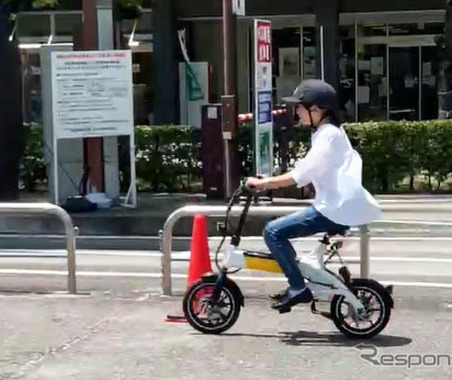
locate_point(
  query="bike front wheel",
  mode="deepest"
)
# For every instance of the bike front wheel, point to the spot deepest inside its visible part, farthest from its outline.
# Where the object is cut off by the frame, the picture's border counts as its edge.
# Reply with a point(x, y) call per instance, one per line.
point(208, 317)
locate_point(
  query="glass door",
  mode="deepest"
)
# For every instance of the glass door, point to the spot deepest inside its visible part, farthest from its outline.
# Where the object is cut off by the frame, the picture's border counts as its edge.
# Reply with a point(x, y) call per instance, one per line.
point(405, 89)
point(371, 72)
point(429, 92)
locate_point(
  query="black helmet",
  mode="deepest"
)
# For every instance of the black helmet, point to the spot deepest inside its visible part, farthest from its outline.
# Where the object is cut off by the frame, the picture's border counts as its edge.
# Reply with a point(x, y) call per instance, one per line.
point(315, 92)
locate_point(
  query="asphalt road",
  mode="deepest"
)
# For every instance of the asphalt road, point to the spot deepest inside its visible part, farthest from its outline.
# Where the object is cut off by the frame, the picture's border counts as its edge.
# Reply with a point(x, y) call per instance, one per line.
point(114, 327)
point(421, 270)
point(100, 337)
point(392, 259)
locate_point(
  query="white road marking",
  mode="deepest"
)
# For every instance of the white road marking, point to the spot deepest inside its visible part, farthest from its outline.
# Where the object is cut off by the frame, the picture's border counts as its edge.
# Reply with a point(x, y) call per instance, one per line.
point(184, 276)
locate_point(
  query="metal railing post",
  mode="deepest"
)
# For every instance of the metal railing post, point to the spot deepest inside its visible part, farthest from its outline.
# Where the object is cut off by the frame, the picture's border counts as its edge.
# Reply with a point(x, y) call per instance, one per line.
point(71, 261)
point(71, 279)
point(364, 251)
point(51, 209)
point(166, 241)
point(70, 246)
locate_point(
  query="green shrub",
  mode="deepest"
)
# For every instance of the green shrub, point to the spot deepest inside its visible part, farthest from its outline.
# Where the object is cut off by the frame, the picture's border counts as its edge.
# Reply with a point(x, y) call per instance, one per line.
point(395, 150)
point(32, 167)
point(167, 157)
point(396, 155)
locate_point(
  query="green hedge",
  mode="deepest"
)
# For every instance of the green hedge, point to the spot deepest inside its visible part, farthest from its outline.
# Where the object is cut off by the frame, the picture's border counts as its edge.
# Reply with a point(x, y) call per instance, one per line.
point(167, 157)
point(397, 155)
point(32, 169)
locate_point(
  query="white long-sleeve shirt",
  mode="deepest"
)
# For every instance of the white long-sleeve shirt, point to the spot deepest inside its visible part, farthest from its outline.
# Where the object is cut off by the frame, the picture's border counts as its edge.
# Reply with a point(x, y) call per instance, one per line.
point(334, 168)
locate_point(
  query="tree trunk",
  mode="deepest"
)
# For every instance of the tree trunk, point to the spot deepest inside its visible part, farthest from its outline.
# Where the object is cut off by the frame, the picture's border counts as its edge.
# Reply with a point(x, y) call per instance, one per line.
point(11, 128)
point(444, 43)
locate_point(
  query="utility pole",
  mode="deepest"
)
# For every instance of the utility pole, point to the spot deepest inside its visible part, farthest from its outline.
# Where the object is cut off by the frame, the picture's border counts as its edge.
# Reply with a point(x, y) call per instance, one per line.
point(11, 128)
point(92, 147)
point(229, 100)
point(229, 48)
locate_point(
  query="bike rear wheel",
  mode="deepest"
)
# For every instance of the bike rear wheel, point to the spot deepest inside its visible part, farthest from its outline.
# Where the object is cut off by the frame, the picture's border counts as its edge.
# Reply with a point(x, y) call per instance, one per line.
point(377, 304)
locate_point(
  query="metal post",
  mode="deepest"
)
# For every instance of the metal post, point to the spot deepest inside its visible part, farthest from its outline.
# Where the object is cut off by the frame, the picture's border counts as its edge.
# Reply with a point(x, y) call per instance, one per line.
point(70, 246)
point(71, 233)
point(364, 251)
point(167, 236)
point(229, 48)
point(322, 54)
point(230, 89)
point(56, 186)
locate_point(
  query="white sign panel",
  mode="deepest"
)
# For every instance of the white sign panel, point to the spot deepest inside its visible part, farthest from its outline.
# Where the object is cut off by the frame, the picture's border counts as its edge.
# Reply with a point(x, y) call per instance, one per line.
point(238, 7)
point(92, 93)
point(263, 98)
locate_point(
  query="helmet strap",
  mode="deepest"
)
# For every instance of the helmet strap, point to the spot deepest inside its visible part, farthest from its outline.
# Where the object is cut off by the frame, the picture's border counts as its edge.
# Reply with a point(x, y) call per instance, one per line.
point(312, 126)
point(315, 127)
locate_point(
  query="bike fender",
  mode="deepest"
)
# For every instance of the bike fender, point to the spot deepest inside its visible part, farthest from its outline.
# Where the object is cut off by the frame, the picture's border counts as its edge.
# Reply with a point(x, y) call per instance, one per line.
point(386, 292)
point(389, 296)
point(212, 277)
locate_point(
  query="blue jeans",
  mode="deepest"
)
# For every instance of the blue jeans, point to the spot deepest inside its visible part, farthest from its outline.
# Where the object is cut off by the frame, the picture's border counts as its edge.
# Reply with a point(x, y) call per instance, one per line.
point(299, 224)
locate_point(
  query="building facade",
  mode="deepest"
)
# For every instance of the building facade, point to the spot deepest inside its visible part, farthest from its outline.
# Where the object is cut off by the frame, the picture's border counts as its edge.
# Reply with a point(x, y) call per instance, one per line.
point(381, 55)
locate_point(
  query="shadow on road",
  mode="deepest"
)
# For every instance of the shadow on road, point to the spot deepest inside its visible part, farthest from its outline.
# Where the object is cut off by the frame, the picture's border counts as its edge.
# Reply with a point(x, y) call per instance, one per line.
point(309, 338)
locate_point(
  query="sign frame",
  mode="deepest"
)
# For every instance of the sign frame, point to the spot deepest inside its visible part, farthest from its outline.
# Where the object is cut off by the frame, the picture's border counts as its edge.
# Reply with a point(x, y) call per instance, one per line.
point(78, 94)
point(263, 95)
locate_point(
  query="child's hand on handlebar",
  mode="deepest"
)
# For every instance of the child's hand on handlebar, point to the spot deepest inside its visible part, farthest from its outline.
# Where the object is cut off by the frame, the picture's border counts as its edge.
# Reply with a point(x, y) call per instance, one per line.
point(255, 183)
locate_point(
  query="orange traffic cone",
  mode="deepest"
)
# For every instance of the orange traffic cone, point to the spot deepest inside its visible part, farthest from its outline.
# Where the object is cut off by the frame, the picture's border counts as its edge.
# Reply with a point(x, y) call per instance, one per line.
point(199, 248)
point(199, 259)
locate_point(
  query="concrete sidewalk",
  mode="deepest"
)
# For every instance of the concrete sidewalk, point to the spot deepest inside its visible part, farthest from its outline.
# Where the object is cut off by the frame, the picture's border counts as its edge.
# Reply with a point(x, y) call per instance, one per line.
point(153, 210)
point(96, 337)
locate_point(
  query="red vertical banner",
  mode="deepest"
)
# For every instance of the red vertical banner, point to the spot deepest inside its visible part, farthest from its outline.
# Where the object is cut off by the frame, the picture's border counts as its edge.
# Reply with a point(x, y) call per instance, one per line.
point(264, 43)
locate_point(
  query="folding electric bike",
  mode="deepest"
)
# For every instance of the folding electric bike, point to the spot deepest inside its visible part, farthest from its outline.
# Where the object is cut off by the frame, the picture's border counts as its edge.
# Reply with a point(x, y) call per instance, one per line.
point(360, 308)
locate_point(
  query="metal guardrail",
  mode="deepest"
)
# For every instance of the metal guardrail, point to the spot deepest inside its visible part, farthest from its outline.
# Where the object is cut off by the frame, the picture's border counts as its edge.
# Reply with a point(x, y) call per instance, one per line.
point(50, 209)
point(402, 206)
point(219, 211)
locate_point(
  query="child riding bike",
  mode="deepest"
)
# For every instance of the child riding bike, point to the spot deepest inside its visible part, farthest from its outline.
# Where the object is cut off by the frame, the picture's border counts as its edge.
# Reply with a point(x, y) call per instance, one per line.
point(334, 168)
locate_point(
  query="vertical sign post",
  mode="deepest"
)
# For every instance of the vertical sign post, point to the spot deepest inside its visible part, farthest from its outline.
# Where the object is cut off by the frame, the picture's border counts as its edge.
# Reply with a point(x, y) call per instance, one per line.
point(238, 7)
point(263, 97)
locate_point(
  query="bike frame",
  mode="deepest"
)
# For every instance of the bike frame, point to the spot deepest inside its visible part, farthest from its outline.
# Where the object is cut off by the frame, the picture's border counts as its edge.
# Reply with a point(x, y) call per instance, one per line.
point(324, 284)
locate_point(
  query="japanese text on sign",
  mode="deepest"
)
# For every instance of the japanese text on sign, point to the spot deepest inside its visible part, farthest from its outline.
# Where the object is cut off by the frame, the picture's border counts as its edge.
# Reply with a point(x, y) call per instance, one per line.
point(265, 107)
point(263, 97)
point(92, 94)
point(263, 42)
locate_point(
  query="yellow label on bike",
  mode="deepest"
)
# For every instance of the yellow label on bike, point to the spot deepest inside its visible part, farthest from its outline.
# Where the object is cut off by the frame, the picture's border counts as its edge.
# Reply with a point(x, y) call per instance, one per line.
point(263, 264)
